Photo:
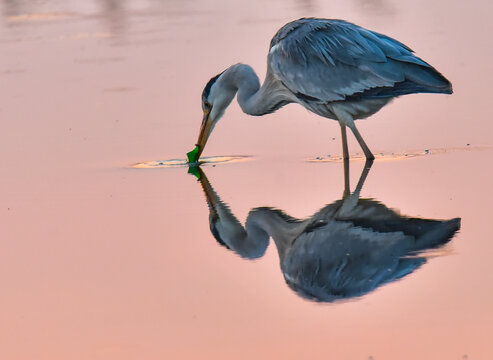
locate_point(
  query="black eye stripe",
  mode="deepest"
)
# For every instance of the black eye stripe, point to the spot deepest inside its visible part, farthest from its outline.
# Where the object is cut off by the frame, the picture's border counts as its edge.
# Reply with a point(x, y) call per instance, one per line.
point(207, 89)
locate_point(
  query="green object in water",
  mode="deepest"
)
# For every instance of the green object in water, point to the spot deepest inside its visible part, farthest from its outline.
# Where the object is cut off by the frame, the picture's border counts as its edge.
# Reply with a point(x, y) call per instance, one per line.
point(194, 170)
point(192, 155)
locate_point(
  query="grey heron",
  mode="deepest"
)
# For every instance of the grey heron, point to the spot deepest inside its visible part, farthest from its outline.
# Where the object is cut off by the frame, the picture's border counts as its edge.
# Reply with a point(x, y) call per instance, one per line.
point(333, 68)
point(345, 250)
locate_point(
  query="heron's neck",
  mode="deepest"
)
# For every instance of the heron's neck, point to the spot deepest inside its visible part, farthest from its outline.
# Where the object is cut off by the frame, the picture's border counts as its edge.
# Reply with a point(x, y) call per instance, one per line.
point(253, 98)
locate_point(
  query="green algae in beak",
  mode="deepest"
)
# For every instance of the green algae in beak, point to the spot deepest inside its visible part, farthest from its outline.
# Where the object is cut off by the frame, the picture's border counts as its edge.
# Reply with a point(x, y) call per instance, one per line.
point(192, 155)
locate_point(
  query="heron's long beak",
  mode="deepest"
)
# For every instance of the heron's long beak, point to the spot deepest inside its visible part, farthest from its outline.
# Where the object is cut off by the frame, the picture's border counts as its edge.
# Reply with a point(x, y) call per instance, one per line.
point(205, 131)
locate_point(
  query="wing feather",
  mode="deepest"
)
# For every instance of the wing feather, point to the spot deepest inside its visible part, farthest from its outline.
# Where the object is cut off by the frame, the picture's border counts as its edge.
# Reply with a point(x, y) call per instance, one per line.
point(332, 60)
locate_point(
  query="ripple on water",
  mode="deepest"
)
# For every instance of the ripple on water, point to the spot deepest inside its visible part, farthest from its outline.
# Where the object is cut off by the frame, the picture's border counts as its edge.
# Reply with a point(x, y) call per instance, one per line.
point(212, 160)
point(394, 156)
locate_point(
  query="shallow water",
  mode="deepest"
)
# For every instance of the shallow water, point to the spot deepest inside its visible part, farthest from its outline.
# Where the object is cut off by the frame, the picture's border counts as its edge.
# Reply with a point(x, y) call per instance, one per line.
point(100, 260)
point(204, 161)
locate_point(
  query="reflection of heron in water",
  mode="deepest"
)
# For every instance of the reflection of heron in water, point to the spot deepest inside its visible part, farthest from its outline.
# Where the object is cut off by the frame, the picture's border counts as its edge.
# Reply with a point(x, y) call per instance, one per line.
point(347, 249)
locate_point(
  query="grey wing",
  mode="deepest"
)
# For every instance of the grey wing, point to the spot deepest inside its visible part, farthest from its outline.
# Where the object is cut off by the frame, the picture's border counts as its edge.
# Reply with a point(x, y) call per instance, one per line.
point(330, 60)
point(338, 260)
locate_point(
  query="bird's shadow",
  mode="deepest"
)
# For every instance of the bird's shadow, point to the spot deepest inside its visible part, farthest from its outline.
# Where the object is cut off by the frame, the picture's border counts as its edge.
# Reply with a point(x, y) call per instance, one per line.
point(345, 250)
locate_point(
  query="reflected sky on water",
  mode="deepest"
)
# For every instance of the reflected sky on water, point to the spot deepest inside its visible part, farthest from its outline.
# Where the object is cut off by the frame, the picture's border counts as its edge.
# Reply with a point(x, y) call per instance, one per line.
point(100, 260)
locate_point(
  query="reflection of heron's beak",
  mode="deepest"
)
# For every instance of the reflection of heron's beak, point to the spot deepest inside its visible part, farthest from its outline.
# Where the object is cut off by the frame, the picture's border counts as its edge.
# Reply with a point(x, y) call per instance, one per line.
point(210, 195)
point(205, 131)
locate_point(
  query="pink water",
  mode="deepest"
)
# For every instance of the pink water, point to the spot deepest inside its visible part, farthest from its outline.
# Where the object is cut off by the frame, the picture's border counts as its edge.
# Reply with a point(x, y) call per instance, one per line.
point(99, 260)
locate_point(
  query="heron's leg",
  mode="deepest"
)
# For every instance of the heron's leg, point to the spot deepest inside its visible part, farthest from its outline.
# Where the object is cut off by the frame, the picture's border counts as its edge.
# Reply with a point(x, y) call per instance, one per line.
point(350, 201)
point(364, 174)
point(357, 135)
point(347, 190)
point(345, 152)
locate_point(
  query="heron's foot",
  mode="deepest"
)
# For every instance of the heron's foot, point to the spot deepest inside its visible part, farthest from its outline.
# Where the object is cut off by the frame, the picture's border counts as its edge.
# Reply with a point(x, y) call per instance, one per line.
point(368, 164)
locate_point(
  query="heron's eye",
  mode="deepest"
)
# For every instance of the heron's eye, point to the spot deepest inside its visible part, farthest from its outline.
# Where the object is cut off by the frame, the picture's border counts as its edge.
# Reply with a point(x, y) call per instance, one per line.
point(207, 105)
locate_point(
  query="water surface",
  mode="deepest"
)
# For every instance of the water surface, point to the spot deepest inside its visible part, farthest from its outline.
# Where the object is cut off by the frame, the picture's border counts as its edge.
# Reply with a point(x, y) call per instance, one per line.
point(99, 260)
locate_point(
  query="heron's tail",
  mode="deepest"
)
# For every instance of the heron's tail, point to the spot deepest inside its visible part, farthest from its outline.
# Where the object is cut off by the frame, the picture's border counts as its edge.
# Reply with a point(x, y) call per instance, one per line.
point(417, 79)
point(427, 233)
point(425, 79)
point(438, 235)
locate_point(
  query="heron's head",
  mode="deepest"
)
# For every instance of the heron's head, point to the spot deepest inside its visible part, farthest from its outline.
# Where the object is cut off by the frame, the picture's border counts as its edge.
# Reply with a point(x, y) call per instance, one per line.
point(216, 97)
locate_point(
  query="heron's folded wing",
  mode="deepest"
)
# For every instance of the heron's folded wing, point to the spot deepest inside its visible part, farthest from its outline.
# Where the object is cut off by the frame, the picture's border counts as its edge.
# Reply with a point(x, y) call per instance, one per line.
point(331, 60)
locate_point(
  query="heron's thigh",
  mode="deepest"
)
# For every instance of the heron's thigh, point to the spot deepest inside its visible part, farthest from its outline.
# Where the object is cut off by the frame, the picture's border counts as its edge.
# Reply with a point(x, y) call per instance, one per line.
point(342, 114)
point(360, 109)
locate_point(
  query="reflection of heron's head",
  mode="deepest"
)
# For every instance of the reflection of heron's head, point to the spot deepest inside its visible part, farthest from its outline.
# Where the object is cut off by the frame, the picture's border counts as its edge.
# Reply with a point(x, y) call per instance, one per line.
point(228, 232)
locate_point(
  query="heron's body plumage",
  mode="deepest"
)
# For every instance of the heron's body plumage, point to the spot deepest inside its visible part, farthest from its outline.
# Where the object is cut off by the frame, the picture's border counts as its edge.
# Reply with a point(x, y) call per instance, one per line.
point(327, 63)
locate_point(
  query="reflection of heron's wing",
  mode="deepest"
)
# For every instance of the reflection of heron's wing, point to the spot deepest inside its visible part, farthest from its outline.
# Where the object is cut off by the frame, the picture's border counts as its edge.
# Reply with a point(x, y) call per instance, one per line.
point(340, 260)
point(363, 208)
point(372, 214)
